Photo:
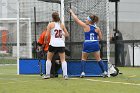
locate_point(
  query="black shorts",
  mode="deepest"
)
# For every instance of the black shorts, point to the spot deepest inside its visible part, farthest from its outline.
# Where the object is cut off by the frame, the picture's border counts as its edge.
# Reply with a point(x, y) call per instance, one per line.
point(56, 49)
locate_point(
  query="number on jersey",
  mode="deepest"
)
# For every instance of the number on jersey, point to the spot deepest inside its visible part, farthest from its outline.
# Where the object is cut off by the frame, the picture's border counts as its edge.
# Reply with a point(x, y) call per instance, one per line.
point(58, 33)
point(91, 36)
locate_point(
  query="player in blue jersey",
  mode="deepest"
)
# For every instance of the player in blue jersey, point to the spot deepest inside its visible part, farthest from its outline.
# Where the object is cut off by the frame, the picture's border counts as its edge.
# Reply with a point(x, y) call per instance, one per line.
point(91, 44)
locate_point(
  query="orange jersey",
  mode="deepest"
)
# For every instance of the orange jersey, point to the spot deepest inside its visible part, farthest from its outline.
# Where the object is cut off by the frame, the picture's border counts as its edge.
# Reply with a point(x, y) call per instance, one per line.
point(41, 40)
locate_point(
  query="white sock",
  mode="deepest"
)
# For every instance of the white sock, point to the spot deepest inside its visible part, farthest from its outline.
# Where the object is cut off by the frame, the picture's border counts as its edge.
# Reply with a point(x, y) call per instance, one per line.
point(48, 67)
point(64, 68)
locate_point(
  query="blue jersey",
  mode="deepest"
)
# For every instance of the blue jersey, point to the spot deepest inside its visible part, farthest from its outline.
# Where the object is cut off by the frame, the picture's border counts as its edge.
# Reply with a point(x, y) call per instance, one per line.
point(91, 35)
point(91, 43)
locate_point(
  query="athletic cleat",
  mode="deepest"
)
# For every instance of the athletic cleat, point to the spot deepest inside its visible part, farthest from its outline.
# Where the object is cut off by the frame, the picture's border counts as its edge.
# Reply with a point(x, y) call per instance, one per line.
point(46, 77)
point(66, 77)
point(105, 74)
point(82, 75)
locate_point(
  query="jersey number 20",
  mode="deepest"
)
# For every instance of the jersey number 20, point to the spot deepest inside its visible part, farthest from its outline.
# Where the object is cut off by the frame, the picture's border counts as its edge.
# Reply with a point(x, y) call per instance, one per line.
point(58, 33)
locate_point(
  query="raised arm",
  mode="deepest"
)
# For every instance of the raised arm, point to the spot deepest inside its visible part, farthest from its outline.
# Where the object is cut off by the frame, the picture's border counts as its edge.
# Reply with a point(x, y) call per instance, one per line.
point(77, 20)
point(65, 30)
point(47, 33)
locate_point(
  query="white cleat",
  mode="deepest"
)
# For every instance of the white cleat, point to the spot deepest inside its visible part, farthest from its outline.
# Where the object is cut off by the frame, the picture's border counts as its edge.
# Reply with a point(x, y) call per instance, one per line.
point(46, 77)
point(105, 74)
point(82, 75)
point(66, 77)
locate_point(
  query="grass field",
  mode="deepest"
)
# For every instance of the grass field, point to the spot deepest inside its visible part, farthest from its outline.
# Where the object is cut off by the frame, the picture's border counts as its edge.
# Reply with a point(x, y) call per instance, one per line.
point(128, 82)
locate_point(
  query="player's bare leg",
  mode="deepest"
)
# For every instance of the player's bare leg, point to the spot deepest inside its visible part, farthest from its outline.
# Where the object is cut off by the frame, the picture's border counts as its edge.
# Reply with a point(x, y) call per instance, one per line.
point(48, 65)
point(100, 62)
point(83, 63)
point(64, 65)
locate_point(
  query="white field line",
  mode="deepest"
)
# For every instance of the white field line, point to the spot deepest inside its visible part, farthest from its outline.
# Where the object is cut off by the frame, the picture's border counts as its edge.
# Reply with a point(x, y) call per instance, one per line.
point(102, 81)
point(14, 82)
point(8, 74)
point(113, 82)
point(132, 76)
point(8, 64)
point(17, 81)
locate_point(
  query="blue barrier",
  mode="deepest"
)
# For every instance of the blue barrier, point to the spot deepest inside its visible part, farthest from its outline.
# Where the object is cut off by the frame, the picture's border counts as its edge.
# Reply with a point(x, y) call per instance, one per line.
point(31, 66)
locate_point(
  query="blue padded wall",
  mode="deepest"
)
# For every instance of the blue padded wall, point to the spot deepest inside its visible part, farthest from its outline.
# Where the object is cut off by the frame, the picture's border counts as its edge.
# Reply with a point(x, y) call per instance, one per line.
point(31, 66)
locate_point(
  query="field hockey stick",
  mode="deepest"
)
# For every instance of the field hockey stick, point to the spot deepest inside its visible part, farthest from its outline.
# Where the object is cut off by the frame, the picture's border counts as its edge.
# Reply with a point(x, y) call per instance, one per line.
point(44, 55)
point(40, 67)
point(39, 61)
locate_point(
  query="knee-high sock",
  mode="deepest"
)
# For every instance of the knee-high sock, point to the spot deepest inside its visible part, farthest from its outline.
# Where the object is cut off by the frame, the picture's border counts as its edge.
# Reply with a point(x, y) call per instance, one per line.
point(83, 63)
point(102, 66)
point(48, 67)
point(64, 68)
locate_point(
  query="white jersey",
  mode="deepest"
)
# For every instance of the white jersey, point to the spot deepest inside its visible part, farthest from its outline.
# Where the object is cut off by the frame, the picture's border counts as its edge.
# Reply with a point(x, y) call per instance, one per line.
point(57, 36)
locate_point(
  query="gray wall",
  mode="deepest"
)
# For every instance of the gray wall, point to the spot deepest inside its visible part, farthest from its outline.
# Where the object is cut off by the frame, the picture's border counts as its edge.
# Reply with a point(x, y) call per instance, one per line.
point(129, 30)
point(129, 18)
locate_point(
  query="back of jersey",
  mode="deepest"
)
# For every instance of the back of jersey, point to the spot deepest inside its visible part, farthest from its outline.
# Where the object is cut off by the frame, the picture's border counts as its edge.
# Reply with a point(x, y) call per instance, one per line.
point(91, 35)
point(57, 36)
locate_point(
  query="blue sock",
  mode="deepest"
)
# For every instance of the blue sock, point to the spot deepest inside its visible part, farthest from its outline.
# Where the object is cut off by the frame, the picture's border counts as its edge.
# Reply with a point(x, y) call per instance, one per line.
point(102, 66)
point(83, 65)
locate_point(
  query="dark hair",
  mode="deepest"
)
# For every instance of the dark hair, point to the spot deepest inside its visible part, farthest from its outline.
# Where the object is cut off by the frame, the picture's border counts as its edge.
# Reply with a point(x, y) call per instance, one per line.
point(94, 18)
point(55, 17)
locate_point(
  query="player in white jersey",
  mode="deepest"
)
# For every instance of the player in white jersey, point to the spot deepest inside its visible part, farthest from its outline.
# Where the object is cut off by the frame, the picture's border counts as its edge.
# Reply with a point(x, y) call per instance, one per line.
point(57, 44)
point(57, 36)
